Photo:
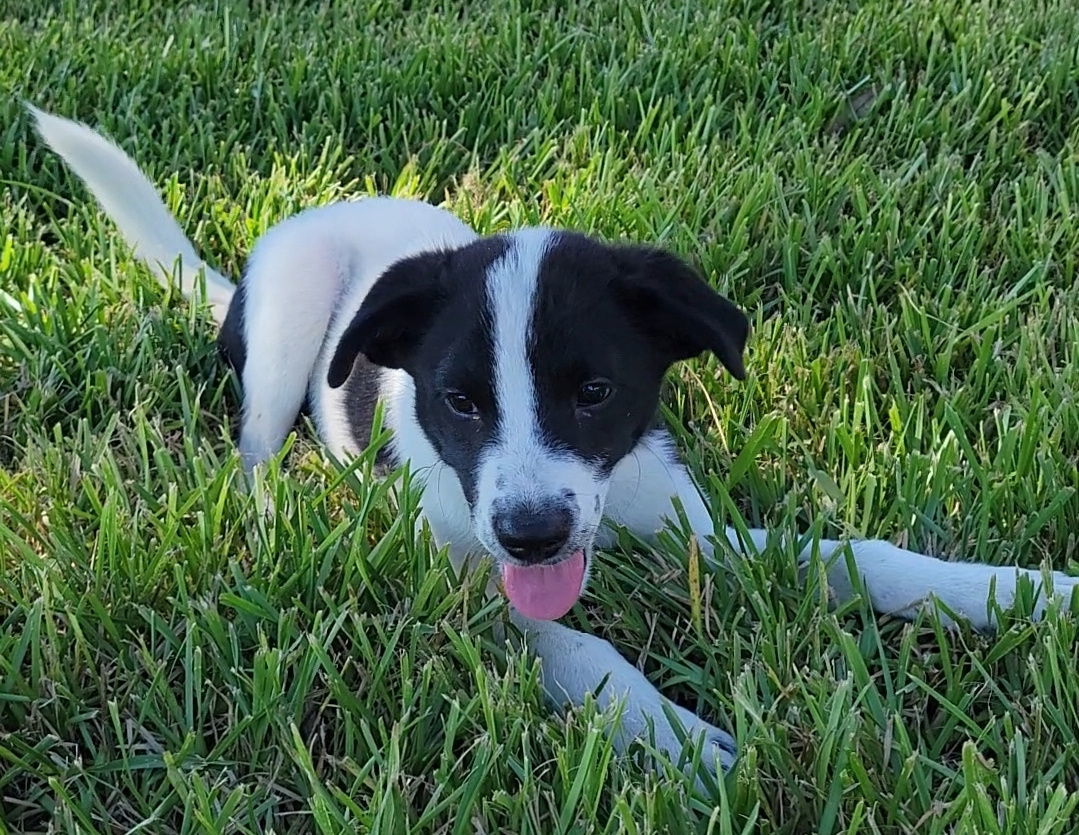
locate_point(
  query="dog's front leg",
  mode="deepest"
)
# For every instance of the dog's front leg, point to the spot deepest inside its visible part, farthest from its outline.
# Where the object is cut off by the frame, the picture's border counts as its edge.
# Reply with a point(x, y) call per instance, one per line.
point(575, 664)
point(898, 582)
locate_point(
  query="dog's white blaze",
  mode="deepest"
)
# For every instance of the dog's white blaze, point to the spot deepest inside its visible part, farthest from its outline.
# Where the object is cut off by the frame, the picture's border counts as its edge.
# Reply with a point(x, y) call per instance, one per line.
point(511, 295)
point(521, 467)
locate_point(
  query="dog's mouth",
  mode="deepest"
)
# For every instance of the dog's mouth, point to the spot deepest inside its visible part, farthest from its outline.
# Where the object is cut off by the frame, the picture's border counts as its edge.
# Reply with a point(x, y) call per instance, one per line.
point(545, 592)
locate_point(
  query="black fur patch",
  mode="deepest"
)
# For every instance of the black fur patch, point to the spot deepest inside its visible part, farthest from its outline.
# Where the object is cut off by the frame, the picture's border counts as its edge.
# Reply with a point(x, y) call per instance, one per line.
point(622, 315)
point(428, 315)
point(230, 340)
point(581, 333)
point(455, 355)
point(361, 399)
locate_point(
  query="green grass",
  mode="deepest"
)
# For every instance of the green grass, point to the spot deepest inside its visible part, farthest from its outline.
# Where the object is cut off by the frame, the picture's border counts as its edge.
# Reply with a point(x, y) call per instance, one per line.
point(888, 188)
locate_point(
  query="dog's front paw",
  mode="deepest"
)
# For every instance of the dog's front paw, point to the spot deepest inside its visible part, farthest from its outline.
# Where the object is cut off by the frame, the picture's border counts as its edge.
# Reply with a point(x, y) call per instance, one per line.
point(1064, 586)
point(678, 732)
point(1003, 586)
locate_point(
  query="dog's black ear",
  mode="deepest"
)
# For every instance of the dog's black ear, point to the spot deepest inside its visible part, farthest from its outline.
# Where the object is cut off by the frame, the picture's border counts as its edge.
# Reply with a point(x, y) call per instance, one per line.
point(393, 317)
point(678, 310)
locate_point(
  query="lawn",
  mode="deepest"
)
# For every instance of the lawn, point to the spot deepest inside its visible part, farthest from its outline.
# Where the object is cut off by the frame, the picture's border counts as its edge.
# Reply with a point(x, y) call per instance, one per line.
point(887, 188)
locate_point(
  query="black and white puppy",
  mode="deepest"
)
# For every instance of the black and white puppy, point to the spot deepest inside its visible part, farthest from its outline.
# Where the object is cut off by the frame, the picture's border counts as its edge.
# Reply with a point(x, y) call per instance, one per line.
point(520, 375)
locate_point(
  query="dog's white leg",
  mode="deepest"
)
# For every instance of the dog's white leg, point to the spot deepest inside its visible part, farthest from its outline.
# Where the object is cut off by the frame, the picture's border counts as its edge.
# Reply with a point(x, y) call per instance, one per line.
point(290, 289)
point(898, 582)
point(575, 664)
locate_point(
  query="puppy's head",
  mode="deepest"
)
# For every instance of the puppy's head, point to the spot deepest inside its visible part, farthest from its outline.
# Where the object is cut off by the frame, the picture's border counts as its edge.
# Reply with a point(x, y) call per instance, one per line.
point(537, 359)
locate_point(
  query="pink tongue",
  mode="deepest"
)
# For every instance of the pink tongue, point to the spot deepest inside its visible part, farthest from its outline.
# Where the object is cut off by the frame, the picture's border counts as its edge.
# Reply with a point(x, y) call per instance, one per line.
point(545, 592)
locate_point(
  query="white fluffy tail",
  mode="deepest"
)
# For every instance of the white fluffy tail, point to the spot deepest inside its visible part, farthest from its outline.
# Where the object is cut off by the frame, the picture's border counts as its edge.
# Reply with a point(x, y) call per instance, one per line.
point(131, 200)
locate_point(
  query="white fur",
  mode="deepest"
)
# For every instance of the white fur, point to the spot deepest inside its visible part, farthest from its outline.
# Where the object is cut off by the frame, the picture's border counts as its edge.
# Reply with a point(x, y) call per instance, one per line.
point(307, 279)
point(134, 205)
point(521, 466)
point(639, 497)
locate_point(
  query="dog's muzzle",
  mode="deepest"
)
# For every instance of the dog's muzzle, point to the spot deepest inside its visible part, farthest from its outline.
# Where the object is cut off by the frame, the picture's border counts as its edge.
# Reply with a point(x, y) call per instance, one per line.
point(545, 574)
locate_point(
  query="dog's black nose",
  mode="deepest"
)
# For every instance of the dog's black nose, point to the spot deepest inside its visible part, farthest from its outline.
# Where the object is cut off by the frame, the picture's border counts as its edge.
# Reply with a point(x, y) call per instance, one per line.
point(533, 536)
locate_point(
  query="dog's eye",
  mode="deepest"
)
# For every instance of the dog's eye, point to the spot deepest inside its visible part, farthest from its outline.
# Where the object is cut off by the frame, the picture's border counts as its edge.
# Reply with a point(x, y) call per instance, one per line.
point(593, 393)
point(461, 406)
